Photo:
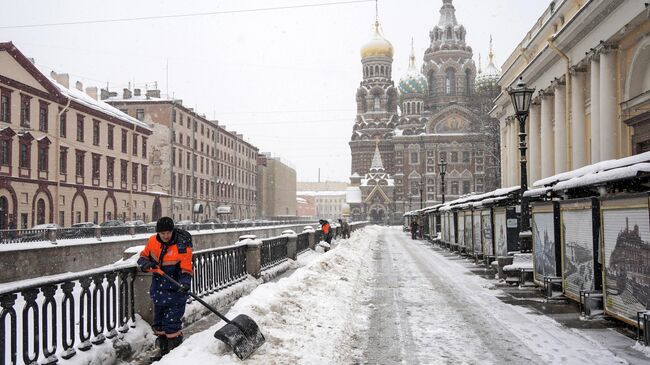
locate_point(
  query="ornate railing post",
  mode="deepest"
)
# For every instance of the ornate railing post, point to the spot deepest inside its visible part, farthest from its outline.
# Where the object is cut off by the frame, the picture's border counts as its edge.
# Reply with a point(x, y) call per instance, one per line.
point(254, 258)
point(141, 300)
point(312, 240)
point(292, 245)
point(67, 320)
point(49, 349)
point(7, 302)
point(29, 295)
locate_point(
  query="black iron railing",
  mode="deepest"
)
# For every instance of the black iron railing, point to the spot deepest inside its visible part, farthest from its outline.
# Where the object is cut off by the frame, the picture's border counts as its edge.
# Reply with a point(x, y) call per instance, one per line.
point(52, 235)
point(273, 251)
point(302, 244)
point(24, 235)
point(46, 320)
point(73, 232)
point(318, 235)
point(218, 268)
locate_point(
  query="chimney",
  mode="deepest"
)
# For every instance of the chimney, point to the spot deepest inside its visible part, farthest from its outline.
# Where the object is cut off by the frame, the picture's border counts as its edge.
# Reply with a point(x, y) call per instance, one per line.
point(153, 94)
point(63, 79)
point(92, 92)
point(126, 94)
point(79, 86)
point(136, 92)
point(104, 94)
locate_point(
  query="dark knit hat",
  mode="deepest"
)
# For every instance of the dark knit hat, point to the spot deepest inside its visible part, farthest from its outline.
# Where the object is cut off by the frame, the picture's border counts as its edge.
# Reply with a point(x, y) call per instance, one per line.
point(164, 224)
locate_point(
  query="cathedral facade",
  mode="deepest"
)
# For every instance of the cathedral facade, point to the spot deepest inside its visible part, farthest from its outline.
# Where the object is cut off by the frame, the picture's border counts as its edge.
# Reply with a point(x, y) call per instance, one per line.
point(438, 111)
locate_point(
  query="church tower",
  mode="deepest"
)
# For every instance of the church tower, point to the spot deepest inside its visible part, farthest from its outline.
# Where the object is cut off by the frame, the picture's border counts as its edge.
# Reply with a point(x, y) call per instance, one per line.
point(377, 99)
point(448, 64)
point(413, 89)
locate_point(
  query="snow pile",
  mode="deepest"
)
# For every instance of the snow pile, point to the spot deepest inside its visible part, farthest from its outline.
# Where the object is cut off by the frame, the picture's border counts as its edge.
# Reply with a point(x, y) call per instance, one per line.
point(314, 316)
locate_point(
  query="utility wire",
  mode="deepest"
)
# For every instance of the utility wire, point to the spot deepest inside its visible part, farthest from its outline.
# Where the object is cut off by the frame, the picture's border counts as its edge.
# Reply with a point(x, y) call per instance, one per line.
point(239, 11)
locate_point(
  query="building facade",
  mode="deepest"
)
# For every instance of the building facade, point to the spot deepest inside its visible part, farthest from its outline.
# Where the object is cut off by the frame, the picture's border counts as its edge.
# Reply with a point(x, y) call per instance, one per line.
point(276, 188)
point(437, 111)
point(328, 205)
point(589, 62)
point(65, 156)
point(204, 170)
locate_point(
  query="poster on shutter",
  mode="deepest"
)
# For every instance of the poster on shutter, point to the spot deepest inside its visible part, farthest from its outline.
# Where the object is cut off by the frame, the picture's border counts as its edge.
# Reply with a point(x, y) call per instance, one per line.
point(460, 238)
point(501, 232)
point(468, 231)
point(452, 229)
point(543, 245)
point(477, 232)
point(578, 252)
point(626, 237)
point(486, 223)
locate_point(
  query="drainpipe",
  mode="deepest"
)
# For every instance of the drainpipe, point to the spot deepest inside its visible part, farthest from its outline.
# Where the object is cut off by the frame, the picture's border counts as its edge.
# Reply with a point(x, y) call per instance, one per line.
point(57, 175)
point(567, 101)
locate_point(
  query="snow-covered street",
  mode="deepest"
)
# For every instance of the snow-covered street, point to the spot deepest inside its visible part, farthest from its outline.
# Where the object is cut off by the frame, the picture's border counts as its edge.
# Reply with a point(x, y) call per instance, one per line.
point(382, 298)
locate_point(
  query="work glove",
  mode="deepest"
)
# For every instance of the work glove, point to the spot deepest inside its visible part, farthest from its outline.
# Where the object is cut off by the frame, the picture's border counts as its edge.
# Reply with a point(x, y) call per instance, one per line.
point(147, 265)
point(184, 288)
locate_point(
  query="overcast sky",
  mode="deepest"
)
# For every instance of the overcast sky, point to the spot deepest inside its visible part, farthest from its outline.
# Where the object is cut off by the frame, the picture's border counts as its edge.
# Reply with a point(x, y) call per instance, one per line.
point(286, 78)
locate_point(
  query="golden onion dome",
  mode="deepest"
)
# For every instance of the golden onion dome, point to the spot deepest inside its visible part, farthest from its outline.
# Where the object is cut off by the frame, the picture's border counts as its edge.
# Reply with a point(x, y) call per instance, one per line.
point(378, 46)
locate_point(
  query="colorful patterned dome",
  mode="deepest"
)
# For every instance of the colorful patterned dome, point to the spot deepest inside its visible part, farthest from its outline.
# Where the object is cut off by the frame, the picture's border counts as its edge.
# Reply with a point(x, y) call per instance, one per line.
point(491, 75)
point(413, 82)
point(378, 46)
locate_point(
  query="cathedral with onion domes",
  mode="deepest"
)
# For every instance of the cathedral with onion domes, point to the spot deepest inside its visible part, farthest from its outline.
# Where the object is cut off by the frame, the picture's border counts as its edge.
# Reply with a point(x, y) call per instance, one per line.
point(438, 111)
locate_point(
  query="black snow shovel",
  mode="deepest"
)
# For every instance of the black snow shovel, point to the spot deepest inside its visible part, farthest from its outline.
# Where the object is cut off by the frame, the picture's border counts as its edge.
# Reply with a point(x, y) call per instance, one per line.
point(242, 333)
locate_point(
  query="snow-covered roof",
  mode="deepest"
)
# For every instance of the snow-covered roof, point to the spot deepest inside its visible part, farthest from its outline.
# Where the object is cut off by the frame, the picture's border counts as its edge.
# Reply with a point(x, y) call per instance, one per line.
point(321, 193)
point(98, 105)
point(353, 195)
point(301, 200)
point(600, 177)
point(594, 168)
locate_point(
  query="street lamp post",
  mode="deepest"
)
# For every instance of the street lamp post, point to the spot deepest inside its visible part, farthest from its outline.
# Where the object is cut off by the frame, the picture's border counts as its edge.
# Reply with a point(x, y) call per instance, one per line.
point(442, 166)
point(421, 185)
point(521, 97)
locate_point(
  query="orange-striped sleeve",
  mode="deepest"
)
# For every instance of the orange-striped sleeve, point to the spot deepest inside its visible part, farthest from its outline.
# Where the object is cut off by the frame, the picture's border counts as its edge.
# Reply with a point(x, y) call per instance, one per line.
point(186, 261)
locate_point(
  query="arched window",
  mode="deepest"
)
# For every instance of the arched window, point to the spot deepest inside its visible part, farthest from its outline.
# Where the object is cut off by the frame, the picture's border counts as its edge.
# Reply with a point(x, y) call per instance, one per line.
point(450, 82)
point(408, 108)
point(449, 33)
point(377, 105)
point(40, 211)
point(419, 106)
point(432, 83)
point(4, 212)
point(381, 72)
point(371, 73)
point(376, 70)
point(468, 82)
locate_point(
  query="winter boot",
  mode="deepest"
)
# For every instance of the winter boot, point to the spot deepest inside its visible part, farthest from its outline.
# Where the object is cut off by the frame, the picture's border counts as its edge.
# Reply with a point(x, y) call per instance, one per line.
point(162, 344)
point(174, 342)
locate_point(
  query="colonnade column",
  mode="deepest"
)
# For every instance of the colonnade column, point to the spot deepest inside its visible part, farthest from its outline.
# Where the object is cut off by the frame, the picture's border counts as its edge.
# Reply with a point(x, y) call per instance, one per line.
point(534, 162)
point(560, 127)
point(514, 127)
point(609, 138)
point(547, 139)
point(578, 129)
point(595, 109)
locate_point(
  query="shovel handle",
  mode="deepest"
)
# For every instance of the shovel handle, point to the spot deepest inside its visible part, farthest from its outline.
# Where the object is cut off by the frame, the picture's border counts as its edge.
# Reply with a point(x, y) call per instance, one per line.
point(211, 308)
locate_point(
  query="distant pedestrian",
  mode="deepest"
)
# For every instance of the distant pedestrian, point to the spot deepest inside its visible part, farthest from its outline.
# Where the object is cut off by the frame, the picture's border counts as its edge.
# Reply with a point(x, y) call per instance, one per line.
point(414, 229)
point(327, 231)
point(169, 251)
point(345, 228)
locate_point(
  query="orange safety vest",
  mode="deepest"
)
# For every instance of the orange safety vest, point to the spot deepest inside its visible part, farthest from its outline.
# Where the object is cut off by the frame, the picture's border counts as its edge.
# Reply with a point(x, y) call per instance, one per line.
point(326, 228)
point(174, 256)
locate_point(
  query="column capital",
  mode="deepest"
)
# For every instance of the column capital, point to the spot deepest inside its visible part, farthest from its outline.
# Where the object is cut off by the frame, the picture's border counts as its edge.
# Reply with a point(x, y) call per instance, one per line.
point(543, 93)
point(536, 101)
point(558, 82)
point(578, 68)
point(607, 47)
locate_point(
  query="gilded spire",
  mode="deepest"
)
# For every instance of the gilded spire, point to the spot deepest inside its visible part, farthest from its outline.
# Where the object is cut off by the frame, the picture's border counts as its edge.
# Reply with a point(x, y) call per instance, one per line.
point(412, 56)
point(490, 53)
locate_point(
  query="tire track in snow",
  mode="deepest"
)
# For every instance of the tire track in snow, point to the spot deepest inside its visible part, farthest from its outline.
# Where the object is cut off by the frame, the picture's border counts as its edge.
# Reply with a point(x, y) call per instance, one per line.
point(390, 340)
point(470, 337)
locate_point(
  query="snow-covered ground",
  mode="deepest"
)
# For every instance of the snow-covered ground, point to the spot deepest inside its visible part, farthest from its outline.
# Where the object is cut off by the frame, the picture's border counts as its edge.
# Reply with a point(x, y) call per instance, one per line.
point(381, 298)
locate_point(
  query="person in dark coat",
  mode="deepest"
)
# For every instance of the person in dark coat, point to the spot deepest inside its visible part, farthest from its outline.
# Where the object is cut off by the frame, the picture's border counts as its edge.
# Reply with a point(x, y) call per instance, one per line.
point(414, 229)
point(327, 231)
point(169, 251)
point(345, 228)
